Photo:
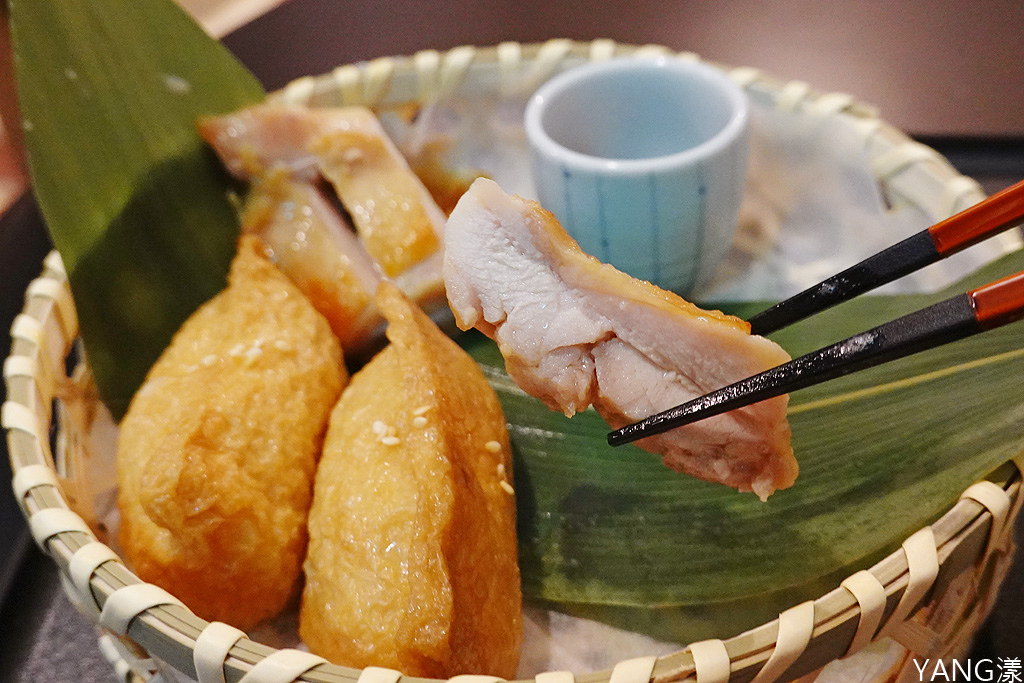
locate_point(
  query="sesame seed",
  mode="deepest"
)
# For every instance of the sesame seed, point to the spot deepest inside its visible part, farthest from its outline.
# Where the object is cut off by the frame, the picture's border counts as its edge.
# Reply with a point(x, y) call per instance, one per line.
point(390, 440)
point(176, 84)
point(253, 354)
point(421, 410)
point(237, 350)
point(507, 487)
point(209, 360)
point(282, 345)
point(419, 421)
point(493, 446)
point(501, 469)
point(379, 427)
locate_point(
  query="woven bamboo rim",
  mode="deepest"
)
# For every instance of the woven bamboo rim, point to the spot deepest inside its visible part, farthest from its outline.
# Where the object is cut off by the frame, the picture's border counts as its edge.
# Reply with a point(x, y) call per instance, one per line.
point(971, 541)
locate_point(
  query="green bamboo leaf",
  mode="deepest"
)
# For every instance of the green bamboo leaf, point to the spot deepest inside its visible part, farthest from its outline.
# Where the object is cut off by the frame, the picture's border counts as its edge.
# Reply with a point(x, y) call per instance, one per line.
point(612, 533)
point(135, 203)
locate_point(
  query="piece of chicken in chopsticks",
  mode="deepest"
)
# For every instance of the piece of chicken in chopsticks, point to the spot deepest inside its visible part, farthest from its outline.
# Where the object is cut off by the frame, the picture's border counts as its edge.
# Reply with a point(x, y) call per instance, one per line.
point(576, 332)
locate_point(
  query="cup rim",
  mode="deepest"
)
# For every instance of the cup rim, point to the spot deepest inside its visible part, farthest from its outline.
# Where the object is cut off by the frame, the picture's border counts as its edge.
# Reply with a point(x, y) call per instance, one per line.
point(539, 138)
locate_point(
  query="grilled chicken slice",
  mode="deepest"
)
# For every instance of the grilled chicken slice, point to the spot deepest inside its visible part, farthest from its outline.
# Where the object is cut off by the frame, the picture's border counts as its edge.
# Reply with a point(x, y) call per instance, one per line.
point(397, 221)
point(575, 332)
point(313, 245)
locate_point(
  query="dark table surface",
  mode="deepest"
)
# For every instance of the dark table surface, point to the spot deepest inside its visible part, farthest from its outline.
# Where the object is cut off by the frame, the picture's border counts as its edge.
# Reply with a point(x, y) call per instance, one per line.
point(42, 637)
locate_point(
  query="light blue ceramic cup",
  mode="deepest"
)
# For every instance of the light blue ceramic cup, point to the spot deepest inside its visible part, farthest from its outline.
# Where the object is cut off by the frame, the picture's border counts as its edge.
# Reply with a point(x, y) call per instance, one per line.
point(643, 161)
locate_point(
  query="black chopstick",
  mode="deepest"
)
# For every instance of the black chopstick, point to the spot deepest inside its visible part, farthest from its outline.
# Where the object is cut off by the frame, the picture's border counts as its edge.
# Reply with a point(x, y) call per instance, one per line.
point(961, 316)
point(985, 219)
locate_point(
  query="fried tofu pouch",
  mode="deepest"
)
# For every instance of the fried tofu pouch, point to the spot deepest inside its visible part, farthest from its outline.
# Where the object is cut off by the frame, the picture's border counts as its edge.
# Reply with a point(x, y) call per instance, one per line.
point(218, 449)
point(412, 559)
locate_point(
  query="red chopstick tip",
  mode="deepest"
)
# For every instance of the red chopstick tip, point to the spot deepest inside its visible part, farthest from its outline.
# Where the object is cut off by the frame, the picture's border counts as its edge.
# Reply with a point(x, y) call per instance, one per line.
point(1000, 302)
point(976, 223)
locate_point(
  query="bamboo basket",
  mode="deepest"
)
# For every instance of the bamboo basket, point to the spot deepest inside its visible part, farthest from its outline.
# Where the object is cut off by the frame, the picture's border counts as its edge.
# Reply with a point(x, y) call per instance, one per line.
point(930, 596)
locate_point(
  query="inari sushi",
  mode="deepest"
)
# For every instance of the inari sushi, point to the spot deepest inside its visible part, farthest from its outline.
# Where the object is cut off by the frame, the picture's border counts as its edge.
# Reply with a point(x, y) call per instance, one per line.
point(412, 548)
point(217, 451)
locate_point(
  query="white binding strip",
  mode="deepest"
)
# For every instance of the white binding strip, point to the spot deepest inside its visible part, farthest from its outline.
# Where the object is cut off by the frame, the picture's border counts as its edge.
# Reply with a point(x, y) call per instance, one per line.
point(454, 67)
point(31, 476)
point(870, 595)
point(297, 91)
point(891, 162)
point(745, 76)
point(300, 90)
point(959, 193)
point(54, 262)
point(651, 50)
point(128, 602)
point(348, 79)
point(211, 651)
point(282, 666)
point(475, 678)
point(555, 677)
point(510, 62)
point(602, 49)
point(26, 367)
point(868, 128)
point(923, 566)
point(710, 661)
point(19, 417)
point(637, 670)
point(997, 502)
point(830, 104)
point(376, 79)
point(792, 95)
point(58, 292)
point(796, 625)
point(27, 328)
point(549, 58)
point(19, 366)
point(510, 54)
point(428, 65)
point(377, 674)
point(83, 565)
point(48, 522)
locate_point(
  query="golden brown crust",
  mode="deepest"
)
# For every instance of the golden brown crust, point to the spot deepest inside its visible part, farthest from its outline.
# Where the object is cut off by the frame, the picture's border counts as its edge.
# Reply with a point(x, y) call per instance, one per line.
point(218, 448)
point(382, 198)
point(412, 558)
point(309, 256)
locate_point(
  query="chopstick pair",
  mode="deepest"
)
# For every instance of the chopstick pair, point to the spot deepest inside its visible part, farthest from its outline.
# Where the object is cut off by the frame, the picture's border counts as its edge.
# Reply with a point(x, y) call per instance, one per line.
point(978, 310)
